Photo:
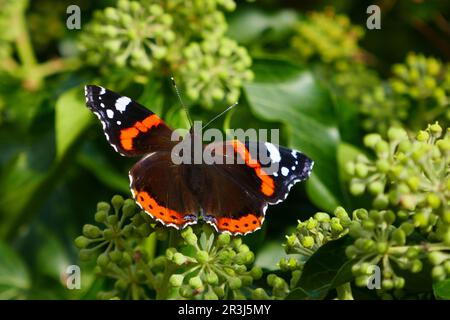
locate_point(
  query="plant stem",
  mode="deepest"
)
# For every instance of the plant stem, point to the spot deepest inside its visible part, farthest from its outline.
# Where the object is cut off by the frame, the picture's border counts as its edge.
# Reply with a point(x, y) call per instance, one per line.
point(344, 292)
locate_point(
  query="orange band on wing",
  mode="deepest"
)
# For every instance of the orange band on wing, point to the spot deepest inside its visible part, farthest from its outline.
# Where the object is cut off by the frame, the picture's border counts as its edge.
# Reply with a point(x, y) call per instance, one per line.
point(163, 214)
point(127, 135)
point(247, 223)
point(267, 185)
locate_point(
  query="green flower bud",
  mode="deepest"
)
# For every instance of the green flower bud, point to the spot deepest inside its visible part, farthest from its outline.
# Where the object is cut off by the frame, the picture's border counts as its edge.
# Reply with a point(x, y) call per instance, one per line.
point(416, 266)
point(260, 294)
point(112, 220)
point(376, 187)
point(256, 273)
point(129, 208)
point(357, 188)
point(115, 255)
point(210, 295)
point(82, 242)
point(307, 241)
point(103, 206)
point(212, 278)
point(351, 252)
point(399, 282)
point(382, 247)
point(381, 201)
point(322, 217)
point(235, 283)
point(196, 282)
point(387, 284)
point(371, 140)
point(100, 216)
point(202, 257)
point(407, 227)
point(121, 284)
point(361, 281)
point(438, 273)
point(223, 239)
point(176, 280)
point(108, 234)
point(435, 129)
point(396, 134)
point(437, 257)
point(103, 260)
point(423, 136)
point(361, 170)
point(399, 237)
point(433, 200)
point(117, 202)
point(91, 231)
point(179, 259)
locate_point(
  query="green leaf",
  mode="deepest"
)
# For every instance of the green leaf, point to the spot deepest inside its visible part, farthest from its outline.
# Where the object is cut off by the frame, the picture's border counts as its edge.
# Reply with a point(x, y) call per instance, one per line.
point(14, 277)
point(72, 117)
point(441, 289)
point(104, 172)
point(286, 92)
point(326, 269)
point(253, 25)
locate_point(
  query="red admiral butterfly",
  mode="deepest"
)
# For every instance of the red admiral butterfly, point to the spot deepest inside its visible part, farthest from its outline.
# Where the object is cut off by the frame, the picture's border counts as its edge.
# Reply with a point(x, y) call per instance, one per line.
point(231, 197)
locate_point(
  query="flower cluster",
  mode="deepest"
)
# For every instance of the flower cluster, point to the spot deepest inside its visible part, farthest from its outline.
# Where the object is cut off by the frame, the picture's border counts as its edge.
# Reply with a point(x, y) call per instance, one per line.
point(215, 70)
point(133, 34)
point(422, 78)
point(183, 38)
point(410, 183)
point(419, 86)
point(327, 36)
point(210, 266)
point(411, 175)
point(311, 234)
point(198, 264)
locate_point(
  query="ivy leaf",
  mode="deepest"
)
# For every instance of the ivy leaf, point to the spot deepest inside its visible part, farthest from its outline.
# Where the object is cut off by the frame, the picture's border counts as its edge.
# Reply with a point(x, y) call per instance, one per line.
point(288, 93)
point(326, 269)
point(72, 117)
point(441, 289)
point(254, 25)
point(14, 277)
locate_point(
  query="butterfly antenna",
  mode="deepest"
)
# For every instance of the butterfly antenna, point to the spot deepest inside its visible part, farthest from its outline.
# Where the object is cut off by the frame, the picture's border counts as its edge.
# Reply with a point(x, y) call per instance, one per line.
point(181, 101)
point(220, 114)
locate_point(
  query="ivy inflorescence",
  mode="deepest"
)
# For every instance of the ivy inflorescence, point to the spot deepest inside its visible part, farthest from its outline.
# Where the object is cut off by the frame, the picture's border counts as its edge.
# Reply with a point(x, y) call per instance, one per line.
point(184, 38)
point(197, 263)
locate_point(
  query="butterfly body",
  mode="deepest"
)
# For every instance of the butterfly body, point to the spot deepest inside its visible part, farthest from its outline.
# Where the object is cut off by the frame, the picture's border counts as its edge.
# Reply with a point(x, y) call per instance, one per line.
point(231, 194)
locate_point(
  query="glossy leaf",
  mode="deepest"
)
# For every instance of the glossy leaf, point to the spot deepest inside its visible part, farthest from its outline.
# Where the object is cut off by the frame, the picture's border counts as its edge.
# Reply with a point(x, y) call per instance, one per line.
point(285, 92)
point(14, 277)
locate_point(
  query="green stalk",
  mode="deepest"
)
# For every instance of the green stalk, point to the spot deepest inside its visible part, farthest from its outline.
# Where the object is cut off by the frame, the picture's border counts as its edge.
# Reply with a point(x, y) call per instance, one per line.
point(344, 292)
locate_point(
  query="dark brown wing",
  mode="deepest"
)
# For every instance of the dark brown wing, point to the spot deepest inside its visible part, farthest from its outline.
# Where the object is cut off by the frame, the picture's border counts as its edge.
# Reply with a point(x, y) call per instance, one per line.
point(130, 128)
point(240, 190)
point(161, 189)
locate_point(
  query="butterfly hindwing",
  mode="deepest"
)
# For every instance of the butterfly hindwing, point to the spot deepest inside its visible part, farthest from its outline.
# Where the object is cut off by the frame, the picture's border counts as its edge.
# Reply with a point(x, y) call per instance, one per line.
point(160, 189)
point(130, 128)
point(259, 174)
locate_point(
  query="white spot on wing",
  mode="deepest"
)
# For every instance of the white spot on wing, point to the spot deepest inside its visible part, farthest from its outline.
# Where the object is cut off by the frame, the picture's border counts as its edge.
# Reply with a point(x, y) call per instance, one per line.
point(102, 90)
point(119, 123)
point(102, 104)
point(121, 103)
point(284, 171)
point(293, 168)
point(273, 151)
point(110, 113)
